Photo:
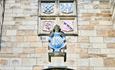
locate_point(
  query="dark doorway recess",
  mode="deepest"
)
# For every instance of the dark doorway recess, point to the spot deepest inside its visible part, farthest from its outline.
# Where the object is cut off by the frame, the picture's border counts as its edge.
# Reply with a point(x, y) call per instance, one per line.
point(57, 68)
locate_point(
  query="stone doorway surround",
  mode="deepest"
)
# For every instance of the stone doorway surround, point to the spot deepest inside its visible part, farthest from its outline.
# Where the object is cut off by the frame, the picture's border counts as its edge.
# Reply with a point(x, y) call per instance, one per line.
point(58, 68)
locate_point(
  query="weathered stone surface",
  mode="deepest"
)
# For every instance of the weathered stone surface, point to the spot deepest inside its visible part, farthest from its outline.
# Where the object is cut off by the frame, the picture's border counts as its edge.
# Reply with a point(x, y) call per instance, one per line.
point(88, 27)
point(17, 50)
point(9, 50)
point(109, 62)
point(96, 62)
point(100, 68)
point(3, 61)
point(85, 68)
point(103, 33)
point(83, 39)
point(99, 45)
point(103, 27)
point(27, 32)
point(29, 61)
point(104, 51)
point(83, 62)
point(20, 38)
point(96, 39)
point(31, 38)
point(108, 51)
point(83, 55)
point(94, 51)
point(87, 32)
point(24, 68)
point(41, 50)
point(84, 45)
point(37, 67)
point(111, 33)
point(94, 55)
point(29, 50)
point(105, 22)
point(111, 68)
point(111, 45)
point(109, 40)
point(11, 32)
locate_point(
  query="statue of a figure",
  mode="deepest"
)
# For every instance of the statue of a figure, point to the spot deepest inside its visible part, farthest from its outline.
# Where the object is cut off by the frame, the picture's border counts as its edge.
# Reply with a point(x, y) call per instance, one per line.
point(57, 39)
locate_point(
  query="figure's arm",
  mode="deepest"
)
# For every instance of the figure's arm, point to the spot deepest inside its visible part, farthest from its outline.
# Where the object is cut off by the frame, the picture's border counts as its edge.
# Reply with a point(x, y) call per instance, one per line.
point(63, 36)
point(51, 34)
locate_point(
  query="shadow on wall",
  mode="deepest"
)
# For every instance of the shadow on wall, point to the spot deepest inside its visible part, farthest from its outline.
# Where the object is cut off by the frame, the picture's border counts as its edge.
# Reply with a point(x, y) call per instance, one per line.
point(57, 69)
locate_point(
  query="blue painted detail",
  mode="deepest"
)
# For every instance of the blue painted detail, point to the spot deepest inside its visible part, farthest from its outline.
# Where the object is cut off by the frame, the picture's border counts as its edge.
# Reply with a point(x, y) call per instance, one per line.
point(48, 8)
point(57, 42)
point(66, 8)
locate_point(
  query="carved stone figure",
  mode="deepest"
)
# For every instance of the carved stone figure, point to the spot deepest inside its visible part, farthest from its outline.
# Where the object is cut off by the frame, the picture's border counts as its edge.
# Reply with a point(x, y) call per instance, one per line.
point(57, 39)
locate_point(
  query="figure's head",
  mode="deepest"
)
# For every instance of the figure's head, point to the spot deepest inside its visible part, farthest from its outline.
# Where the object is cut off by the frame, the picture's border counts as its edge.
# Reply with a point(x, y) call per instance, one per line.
point(56, 28)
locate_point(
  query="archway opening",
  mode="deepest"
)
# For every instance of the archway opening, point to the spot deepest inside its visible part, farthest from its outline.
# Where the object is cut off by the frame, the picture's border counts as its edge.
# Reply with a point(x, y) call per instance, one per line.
point(57, 68)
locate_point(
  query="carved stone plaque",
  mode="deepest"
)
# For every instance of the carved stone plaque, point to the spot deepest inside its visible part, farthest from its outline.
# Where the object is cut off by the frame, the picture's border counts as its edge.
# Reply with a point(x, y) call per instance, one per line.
point(47, 25)
point(67, 25)
point(66, 8)
point(47, 8)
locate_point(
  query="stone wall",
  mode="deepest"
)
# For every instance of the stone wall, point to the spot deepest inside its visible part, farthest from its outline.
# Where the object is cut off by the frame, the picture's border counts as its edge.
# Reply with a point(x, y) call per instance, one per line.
point(20, 41)
point(1, 11)
point(93, 49)
point(112, 3)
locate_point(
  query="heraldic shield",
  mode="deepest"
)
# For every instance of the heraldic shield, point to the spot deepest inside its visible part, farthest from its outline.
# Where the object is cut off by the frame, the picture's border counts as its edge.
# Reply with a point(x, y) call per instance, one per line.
point(57, 42)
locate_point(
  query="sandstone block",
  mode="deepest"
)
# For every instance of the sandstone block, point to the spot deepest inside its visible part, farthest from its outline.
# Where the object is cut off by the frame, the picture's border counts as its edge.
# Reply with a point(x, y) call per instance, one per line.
point(83, 39)
point(109, 62)
point(105, 51)
point(23, 44)
point(111, 45)
point(103, 27)
point(23, 68)
point(111, 56)
point(31, 38)
point(100, 68)
point(99, 45)
point(9, 22)
point(88, 27)
point(3, 61)
point(94, 51)
point(84, 45)
point(111, 33)
point(27, 27)
point(29, 61)
point(110, 68)
point(81, 22)
point(11, 32)
point(37, 67)
point(105, 22)
point(83, 62)
point(71, 39)
point(87, 32)
point(109, 40)
point(102, 33)
point(28, 50)
point(6, 68)
point(96, 62)
point(40, 50)
point(96, 39)
point(84, 68)
point(17, 50)
point(20, 38)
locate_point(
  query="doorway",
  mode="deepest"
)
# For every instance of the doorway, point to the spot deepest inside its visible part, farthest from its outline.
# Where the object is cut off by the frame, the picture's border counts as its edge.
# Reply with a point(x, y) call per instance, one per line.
point(57, 68)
